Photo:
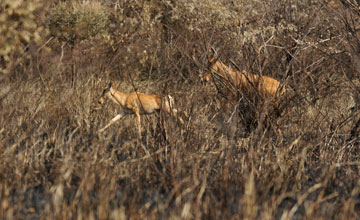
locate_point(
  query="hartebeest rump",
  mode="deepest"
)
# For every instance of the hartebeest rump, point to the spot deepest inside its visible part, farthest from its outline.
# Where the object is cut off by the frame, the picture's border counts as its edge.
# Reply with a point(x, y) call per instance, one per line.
point(138, 103)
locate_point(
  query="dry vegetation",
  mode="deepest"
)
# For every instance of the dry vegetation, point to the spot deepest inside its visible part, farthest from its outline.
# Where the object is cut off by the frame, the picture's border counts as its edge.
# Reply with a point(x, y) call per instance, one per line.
point(56, 56)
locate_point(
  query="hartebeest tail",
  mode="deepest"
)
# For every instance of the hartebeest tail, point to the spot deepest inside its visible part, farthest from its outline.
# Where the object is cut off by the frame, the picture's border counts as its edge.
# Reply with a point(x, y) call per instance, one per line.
point(138, 103)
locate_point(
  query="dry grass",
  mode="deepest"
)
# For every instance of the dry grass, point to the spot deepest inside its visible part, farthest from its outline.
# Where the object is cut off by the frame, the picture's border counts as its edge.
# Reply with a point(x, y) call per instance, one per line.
point(55, 165)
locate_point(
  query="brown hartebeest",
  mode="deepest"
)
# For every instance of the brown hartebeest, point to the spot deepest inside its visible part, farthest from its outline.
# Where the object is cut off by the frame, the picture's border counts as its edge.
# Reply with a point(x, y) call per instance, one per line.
point(138, 103)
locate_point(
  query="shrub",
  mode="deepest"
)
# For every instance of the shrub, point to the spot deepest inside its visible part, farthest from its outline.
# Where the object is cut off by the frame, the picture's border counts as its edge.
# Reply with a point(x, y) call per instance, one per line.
point(70, 21)
point(18, 28)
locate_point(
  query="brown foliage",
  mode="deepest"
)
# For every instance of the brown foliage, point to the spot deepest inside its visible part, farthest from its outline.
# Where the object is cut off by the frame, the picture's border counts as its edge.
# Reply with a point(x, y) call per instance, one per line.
point(55, 165)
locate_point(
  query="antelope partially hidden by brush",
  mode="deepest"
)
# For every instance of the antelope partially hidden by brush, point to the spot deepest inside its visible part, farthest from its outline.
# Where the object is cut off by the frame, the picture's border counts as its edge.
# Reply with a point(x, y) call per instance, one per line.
point(139, 104)
point(266, 87)
point(266, 90)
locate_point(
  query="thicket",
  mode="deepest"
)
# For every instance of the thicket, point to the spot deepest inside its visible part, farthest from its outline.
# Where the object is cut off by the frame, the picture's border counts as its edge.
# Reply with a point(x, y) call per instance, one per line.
point(19, 30)
point(226, 161)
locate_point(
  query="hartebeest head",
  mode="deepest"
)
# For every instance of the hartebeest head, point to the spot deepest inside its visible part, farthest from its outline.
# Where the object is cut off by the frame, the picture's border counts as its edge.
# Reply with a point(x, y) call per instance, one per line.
point(206, 77)
point(106, 91)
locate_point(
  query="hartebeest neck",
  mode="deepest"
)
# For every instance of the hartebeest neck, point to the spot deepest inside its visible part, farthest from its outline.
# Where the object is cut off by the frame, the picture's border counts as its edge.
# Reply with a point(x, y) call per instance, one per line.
point(218, 66)
point(117, 96)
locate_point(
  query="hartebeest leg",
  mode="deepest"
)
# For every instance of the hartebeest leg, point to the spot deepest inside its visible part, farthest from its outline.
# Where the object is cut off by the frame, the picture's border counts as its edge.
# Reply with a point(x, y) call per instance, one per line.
point(168, 106)
point(138, 119)
point(178, 117)
point(173, 112)
point(116, 118)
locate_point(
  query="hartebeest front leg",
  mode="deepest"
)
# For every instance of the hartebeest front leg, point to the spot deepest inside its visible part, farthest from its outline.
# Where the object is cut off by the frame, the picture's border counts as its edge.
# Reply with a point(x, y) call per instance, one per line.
point(138, 119)
point(116, 118)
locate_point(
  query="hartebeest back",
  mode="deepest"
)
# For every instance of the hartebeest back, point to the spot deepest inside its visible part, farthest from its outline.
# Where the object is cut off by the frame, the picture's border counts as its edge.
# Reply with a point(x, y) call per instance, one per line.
point(265, 86)
point(138, 103)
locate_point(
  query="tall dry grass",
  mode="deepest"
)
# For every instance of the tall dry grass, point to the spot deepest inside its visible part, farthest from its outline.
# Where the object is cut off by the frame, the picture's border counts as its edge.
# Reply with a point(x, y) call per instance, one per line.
point(55, 165)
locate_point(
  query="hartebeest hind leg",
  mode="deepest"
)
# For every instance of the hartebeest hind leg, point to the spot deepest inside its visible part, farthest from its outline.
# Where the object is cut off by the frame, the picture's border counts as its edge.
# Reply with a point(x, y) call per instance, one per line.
point(168, 106)
point(115, 119)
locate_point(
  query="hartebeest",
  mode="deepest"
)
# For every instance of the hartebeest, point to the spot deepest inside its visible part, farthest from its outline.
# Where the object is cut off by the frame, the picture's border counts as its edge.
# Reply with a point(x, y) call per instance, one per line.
point(265, 86)
point(138, 103)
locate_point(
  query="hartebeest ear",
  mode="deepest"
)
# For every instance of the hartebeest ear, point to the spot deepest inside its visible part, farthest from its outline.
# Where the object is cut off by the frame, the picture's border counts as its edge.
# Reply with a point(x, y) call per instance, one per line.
point(213, 55)
point(213, 50)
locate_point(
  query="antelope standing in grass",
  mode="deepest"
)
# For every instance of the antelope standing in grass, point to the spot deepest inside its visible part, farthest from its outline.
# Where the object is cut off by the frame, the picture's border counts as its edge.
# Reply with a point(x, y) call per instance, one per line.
point(138, 103)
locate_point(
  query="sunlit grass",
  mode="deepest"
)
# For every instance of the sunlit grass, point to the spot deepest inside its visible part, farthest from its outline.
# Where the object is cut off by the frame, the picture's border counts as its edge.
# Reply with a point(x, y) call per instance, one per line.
point(225, 162)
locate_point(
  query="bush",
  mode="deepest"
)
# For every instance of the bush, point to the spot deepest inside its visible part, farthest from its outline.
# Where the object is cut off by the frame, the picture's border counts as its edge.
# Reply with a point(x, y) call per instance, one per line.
point(70, 21)
point(224, 163)
point(18, 28)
